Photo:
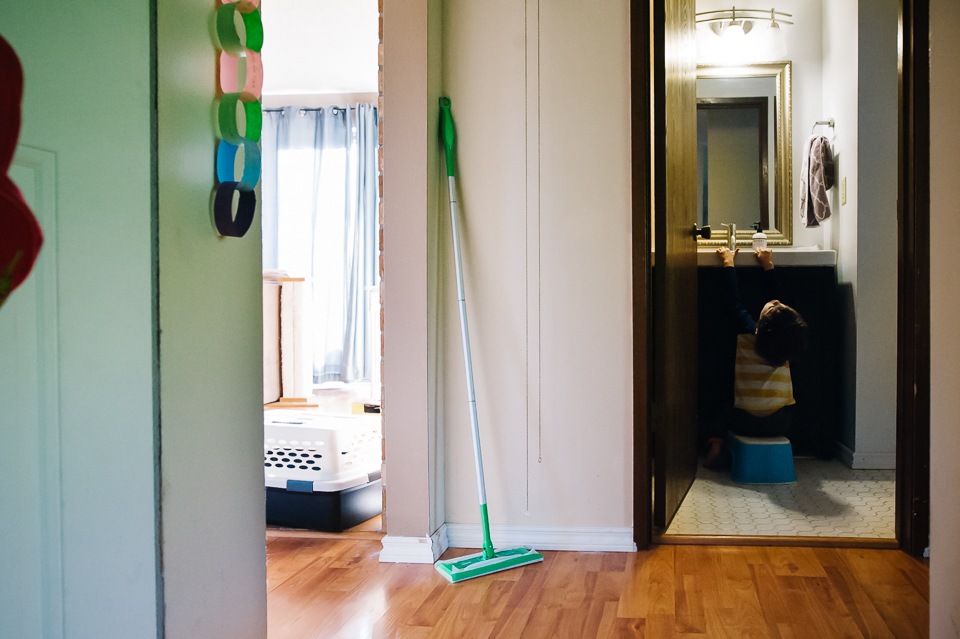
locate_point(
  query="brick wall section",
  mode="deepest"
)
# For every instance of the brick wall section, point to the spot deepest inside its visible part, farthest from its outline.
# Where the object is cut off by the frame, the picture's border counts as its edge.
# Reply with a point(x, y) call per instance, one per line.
point(383, 447)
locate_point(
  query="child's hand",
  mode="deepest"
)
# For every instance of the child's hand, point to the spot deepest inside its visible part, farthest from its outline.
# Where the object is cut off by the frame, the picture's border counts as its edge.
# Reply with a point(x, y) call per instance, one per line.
point(727, 255)
point(765, 257)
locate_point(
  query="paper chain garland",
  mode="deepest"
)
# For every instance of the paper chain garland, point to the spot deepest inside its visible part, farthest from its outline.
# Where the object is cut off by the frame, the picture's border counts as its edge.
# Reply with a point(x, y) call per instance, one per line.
point(233, 98)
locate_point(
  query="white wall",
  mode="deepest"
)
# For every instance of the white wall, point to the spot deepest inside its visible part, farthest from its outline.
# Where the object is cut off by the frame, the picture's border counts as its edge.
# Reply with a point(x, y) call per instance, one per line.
point(876, 241)
point(804, 50)
point(78, 548)
point(840, 55)
point(944, 310)
point(860, 92)
point(319, 47)
point(550, 314)
point(211, 367)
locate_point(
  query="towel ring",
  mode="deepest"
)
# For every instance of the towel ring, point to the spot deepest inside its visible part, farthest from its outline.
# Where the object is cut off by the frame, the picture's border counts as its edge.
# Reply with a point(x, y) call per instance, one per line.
point(830, 123)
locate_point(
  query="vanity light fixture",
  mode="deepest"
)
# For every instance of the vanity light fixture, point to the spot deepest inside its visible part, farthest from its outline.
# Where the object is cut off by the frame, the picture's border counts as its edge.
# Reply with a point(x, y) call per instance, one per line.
point(733, 26)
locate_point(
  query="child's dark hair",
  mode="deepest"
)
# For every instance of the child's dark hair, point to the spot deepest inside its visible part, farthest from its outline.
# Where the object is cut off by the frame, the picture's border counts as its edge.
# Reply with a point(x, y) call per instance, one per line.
point(781, 335)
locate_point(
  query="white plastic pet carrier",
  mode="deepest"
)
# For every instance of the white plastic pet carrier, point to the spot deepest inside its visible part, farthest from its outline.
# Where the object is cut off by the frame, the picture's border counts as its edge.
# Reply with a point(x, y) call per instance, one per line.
point(335, 452)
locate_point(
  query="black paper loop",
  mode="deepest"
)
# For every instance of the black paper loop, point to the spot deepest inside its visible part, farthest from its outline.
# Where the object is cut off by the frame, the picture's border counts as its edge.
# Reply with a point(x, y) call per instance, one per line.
point(227, 224)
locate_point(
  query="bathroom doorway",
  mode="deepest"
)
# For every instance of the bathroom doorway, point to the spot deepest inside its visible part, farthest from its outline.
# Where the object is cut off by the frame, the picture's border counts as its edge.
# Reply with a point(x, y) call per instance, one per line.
point(846, 384)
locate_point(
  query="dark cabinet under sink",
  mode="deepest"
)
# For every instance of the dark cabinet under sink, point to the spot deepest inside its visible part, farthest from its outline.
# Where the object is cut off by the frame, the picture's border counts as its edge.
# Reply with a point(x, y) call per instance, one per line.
point(812, 290)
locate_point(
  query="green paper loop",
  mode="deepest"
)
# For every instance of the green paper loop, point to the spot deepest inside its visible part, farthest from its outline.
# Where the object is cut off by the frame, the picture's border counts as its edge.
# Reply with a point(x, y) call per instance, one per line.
point(254, 27)
point(227, 30)
point(254, 120)
point(227, 119)
point(230, 40)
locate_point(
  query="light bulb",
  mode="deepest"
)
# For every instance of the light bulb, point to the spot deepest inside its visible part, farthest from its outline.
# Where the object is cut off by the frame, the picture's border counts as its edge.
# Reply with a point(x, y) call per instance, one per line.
point(774, 44)
point(734, 33)
point(734, 43)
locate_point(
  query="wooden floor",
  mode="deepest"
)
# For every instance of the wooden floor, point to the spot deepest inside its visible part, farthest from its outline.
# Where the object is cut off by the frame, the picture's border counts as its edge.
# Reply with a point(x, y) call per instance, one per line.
point(335, 587)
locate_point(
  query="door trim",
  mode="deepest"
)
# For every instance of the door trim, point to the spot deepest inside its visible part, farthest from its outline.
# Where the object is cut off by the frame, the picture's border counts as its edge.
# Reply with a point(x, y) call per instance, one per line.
point(43, 166)
point(913, 295)
point(640, 138)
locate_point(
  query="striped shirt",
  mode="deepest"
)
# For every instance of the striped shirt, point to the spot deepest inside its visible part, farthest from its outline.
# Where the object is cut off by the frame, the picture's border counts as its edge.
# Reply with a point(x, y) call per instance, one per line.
point(759, 387)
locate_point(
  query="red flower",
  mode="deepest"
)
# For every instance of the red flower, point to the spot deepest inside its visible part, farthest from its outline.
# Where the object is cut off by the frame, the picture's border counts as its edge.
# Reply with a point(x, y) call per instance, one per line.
point(20, 233)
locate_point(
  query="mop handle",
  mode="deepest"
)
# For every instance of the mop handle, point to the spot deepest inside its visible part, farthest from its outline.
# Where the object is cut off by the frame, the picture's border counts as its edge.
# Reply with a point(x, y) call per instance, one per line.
point(448, 137)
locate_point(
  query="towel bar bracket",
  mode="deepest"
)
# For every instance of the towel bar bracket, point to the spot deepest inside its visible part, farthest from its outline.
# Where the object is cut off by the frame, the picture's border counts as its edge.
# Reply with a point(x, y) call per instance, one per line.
point(830, 122)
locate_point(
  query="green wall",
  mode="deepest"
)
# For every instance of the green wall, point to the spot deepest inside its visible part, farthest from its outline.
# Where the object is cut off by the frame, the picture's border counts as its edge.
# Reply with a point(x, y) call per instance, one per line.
point(138, 343)
point(211, 369)
point(87, 109)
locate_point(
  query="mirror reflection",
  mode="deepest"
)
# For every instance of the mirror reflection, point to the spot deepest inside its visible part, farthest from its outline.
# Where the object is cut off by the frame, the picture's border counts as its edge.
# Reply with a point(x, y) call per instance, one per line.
point(743, 151)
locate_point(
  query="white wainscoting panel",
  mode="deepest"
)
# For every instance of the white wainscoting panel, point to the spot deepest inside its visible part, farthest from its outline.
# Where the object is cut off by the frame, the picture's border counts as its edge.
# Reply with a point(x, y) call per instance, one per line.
point(585, 539)
point(31, 574)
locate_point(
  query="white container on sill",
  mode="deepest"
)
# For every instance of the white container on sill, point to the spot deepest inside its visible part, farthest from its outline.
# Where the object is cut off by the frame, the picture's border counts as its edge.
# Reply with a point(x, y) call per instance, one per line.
point(759, 238)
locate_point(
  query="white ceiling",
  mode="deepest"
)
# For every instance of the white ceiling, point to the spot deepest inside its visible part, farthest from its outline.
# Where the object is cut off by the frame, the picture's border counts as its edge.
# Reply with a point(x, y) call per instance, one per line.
point(319, 46)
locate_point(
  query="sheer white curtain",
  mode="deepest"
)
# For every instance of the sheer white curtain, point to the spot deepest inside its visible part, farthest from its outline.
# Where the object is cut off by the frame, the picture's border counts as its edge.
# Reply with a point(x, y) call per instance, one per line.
point(319, 193)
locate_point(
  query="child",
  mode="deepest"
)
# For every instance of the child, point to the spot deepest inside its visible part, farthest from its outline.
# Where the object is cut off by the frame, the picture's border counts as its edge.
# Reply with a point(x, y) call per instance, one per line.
point(762, 388)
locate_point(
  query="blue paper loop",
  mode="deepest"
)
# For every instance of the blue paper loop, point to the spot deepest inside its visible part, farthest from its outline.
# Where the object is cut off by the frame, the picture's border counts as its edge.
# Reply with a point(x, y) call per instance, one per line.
point(226, 161)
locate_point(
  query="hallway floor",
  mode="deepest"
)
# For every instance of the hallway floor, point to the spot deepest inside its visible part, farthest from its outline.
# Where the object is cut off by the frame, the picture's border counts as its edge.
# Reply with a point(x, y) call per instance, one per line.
point(336, 588)
point(828, 500)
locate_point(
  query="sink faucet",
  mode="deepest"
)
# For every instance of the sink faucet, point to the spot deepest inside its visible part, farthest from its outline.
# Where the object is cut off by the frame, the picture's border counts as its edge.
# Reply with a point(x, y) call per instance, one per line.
point(731, 236)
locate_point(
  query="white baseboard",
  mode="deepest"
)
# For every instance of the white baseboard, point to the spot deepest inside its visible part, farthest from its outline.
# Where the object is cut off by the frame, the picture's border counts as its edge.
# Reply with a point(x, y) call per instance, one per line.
point(866, 461)
point(585, 539)
point(413, 550)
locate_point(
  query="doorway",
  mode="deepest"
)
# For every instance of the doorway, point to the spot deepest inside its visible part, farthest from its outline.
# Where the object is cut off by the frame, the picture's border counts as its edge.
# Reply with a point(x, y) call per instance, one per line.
point(669, 270)
point(321, 270)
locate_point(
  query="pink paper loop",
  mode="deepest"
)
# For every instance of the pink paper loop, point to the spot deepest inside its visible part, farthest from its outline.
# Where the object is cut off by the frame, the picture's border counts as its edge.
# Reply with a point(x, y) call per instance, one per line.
point(229, 72)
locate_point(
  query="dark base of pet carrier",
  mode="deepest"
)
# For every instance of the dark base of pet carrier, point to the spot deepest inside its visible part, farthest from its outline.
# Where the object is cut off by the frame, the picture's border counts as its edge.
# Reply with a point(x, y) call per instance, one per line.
point(327, 512)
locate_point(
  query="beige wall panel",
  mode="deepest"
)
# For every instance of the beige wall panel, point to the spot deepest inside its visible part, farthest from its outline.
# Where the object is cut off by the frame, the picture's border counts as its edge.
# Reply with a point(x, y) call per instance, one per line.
point(578, 269)
point(944, 309)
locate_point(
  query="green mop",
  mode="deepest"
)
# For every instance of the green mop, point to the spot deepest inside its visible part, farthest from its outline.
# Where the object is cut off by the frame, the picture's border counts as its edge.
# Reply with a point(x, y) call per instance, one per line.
point(488, 561)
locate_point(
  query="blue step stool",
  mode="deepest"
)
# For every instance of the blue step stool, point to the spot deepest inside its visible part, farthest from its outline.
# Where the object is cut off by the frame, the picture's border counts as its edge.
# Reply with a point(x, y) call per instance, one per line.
point(761, 460)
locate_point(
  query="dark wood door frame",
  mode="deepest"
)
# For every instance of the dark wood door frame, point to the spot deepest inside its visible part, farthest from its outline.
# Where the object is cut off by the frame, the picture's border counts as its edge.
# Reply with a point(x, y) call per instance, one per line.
point(641, 140)
point(913, 340)
point(913, 312)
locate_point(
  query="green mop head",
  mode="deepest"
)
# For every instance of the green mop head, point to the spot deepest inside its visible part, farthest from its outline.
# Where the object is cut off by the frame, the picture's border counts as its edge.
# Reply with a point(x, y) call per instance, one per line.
point(478, 565)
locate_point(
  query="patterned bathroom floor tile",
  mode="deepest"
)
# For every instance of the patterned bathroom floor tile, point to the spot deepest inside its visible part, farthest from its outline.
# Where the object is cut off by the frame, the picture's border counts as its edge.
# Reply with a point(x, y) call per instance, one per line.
point(828, 500)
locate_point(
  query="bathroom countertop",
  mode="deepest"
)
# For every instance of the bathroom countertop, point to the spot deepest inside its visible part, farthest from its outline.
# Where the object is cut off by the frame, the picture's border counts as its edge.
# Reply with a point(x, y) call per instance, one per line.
point(785, 256)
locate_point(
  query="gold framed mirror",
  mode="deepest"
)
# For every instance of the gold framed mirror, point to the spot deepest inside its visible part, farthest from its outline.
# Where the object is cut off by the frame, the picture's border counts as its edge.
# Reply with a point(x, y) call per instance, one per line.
point(745, 152)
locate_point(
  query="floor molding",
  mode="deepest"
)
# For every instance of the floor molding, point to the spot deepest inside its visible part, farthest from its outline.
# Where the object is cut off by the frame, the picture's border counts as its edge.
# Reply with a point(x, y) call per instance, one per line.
point(413, 550)
point(771, 540)
point(584, 539)
point(866, 461)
